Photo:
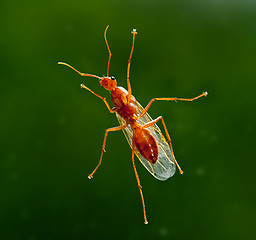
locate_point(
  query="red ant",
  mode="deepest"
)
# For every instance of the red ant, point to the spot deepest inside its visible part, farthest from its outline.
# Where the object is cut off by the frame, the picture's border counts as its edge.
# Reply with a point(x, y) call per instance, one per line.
point(142, 133)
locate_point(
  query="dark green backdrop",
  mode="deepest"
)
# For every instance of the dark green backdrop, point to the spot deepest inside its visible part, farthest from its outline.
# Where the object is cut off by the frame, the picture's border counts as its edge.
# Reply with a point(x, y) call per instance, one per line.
point(51, 131)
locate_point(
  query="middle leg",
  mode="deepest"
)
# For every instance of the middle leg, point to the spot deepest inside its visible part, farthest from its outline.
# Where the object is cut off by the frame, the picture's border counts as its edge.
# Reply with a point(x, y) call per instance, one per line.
point(170, 99)
point(104, 144)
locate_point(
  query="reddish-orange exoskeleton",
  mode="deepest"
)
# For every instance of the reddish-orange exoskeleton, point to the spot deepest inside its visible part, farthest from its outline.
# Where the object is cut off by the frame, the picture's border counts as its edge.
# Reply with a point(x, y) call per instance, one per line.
point(142, 133)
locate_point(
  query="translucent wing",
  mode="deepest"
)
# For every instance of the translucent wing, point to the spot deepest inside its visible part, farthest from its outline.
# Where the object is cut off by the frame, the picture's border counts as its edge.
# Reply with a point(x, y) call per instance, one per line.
point(165, 167)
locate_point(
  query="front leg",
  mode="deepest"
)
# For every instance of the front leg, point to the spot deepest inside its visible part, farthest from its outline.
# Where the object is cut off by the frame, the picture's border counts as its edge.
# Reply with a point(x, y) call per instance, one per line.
point(89, 75)
point(104, 99)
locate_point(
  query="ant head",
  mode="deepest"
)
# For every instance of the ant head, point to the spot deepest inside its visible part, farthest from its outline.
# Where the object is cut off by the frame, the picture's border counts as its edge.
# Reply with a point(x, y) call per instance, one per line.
point(109, 83)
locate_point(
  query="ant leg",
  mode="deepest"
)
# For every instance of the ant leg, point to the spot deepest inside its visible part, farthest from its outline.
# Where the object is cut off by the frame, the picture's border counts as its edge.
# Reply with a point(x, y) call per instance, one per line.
point(104, 99)
point(170, 99)
point(128, 67)
point(83, 86)
point(140, 187)
point(104, 144)
point(109, 57)
point(149, 124)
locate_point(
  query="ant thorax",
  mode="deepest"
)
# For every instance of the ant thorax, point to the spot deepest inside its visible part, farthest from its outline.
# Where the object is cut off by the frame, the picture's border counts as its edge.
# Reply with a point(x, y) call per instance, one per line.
point(126, 109)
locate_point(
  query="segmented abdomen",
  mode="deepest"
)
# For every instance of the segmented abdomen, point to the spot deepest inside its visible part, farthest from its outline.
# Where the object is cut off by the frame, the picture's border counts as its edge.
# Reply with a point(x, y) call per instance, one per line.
point(146, 144)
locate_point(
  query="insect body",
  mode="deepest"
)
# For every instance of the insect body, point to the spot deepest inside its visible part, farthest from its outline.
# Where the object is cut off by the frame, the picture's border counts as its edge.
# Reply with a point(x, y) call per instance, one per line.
point(143, 139)
point(141, 131)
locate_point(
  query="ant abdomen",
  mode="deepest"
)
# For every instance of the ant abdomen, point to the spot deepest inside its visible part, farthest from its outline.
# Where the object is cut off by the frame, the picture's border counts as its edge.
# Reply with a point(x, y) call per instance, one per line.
point(146, 144)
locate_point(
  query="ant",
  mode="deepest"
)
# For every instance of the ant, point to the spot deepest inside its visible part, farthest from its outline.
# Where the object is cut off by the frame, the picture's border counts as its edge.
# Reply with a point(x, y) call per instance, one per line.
point(142, 133)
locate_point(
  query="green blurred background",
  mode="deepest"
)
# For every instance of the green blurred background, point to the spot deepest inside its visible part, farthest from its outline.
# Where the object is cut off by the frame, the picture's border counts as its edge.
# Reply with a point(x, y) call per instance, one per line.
point(51, 131)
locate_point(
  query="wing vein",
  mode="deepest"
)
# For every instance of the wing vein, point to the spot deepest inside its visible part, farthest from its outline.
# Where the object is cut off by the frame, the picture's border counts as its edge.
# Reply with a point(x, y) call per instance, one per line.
point(164, 167)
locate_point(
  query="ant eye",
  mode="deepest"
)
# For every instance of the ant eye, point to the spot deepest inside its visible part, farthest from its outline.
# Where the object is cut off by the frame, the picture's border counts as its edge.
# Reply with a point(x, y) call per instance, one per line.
point(113, 78)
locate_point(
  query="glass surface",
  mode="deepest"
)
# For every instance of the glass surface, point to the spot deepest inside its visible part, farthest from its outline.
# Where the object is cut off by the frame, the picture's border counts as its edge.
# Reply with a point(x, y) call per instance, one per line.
point(51, 130)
